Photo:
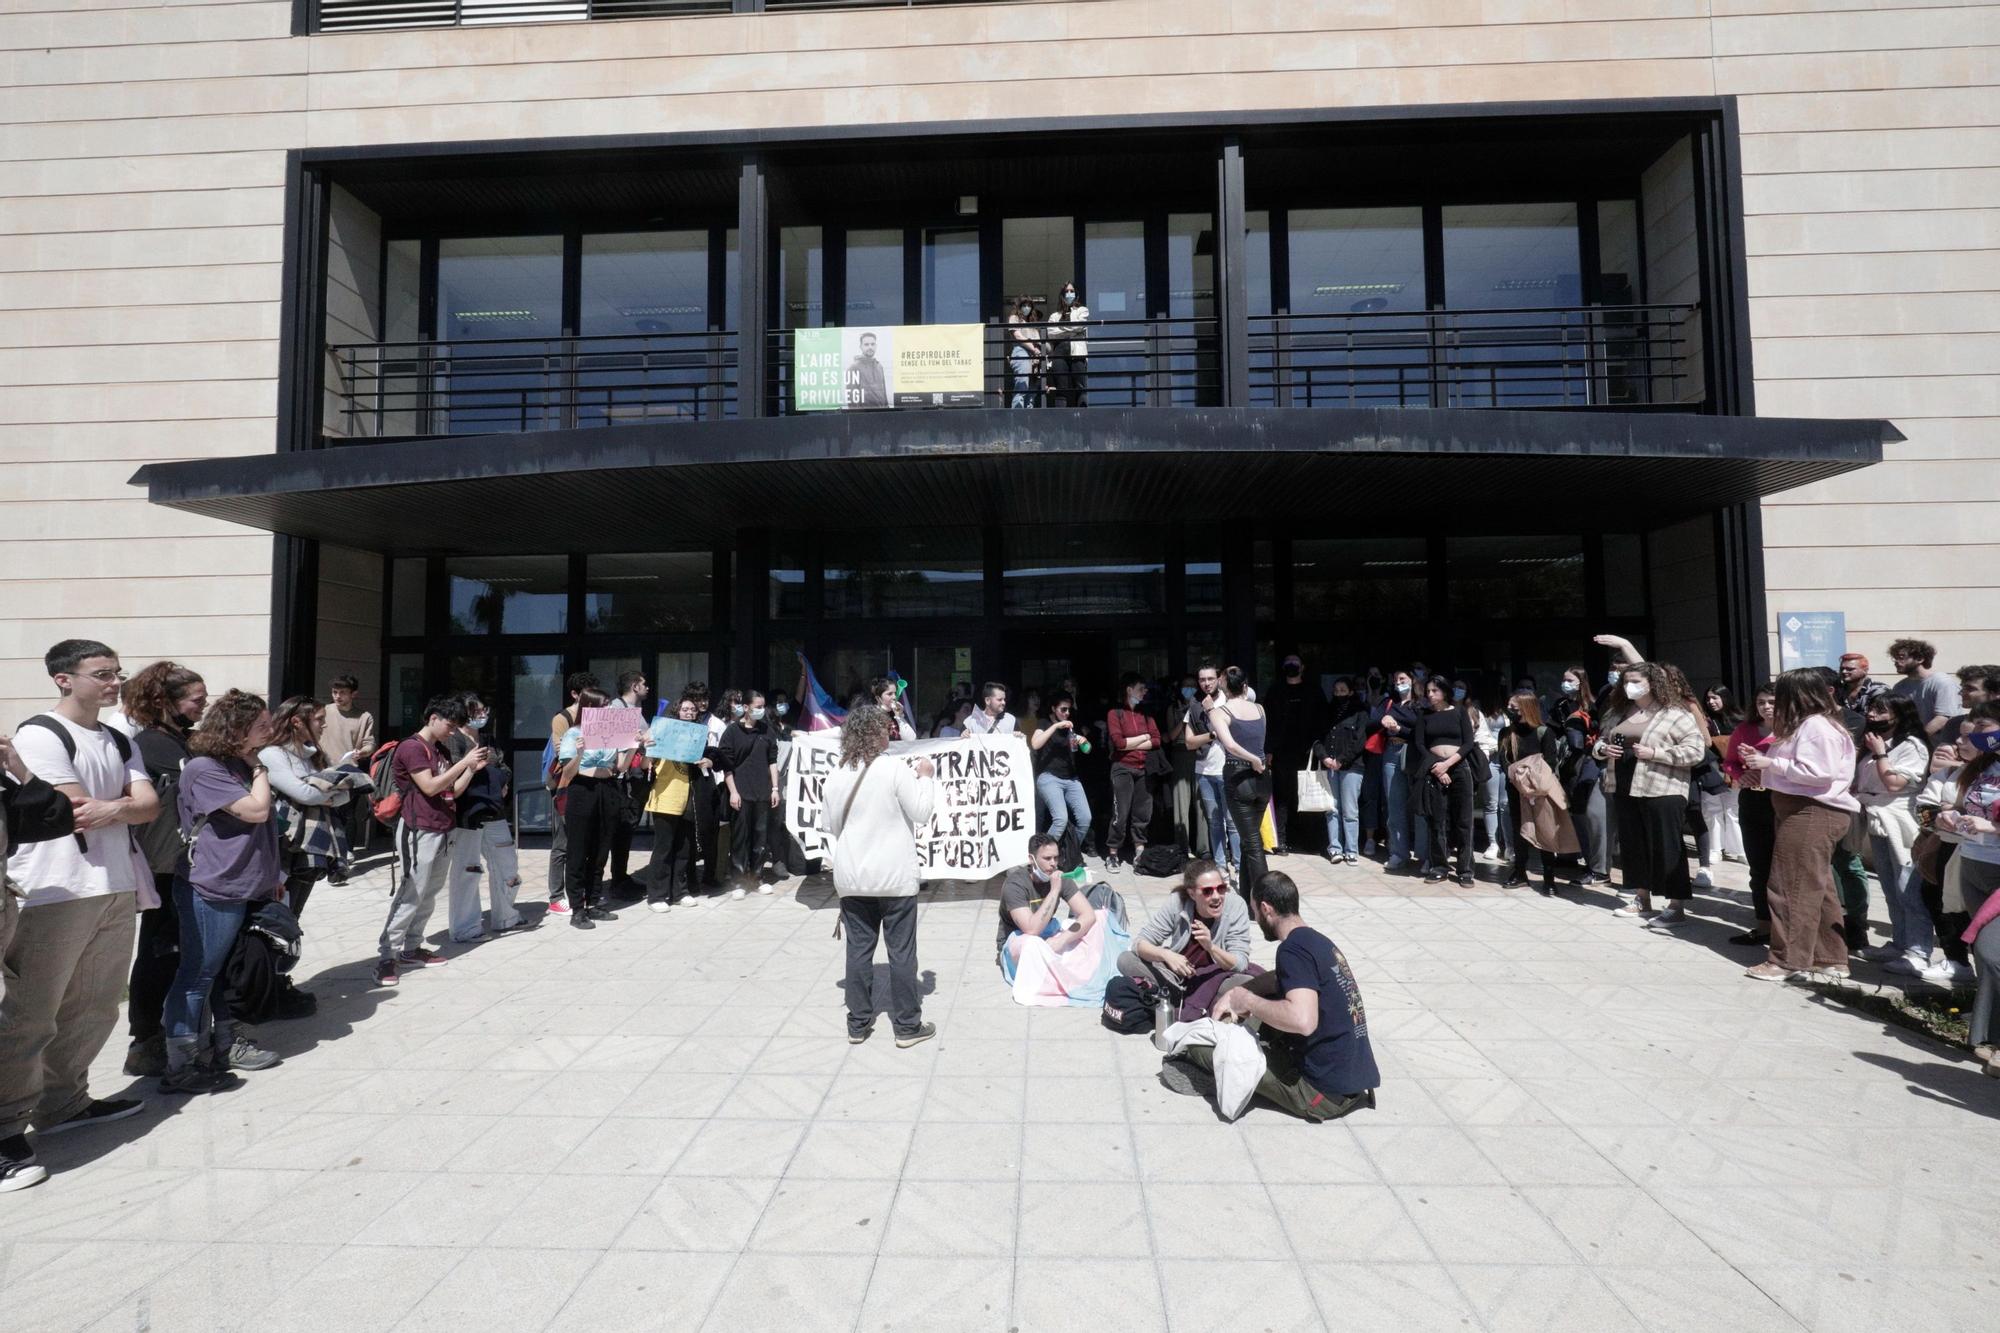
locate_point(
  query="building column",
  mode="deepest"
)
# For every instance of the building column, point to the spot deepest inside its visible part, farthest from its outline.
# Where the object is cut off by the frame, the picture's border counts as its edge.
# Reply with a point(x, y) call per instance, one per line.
point(753, 259)
point(1232, 292)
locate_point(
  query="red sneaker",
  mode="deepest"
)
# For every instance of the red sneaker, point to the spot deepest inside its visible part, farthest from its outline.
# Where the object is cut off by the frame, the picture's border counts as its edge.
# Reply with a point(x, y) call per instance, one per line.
point(385, 973)
point(421, 958)
point(557, 907)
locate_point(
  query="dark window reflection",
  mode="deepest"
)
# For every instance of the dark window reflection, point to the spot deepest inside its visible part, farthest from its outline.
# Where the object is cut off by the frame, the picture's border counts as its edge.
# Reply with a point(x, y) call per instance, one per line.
point(1083, 572)
point(1520, 577)
point(498, 298)
point(647, 593)
point(905, 572)
point(1516, 261)
point(509, 594)
point(1360, 577)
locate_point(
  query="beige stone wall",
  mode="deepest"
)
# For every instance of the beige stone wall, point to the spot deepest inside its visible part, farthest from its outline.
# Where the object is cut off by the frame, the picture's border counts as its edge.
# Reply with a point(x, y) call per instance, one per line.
point(141, 172)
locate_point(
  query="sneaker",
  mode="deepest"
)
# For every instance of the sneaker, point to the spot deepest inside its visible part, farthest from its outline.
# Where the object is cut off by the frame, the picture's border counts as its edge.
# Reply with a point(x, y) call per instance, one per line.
point(1594, 880)
point(582, 921)
point(659, 905)
point(602, 914)
point(1367, 847)
point(765, 889)
point(1954, 973)
point(1760, 938)
point(1351, 859)
point(855, 1038)
point(687, 900)
point(923, 1033)
point(1633, 909)
point(101, 1111)
point(519, 926)
point(421, 958)
point(247, 1054)
point(1186, 1078)
point(1907, 964)
point(148, 1058)
point(18, 1167)
point(1674, 914)
point(557, 907)
point(1838, 972)
point(194, 1080)
point(1394, 864)
point(1880, 953)
point(738, 893)
point(1516, 882)
point(1702, 880)
point(1768, 971)
point(385, 973)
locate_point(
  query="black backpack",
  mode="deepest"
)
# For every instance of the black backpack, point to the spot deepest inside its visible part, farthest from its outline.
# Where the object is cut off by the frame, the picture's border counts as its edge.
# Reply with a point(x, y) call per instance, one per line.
point(1162, 860)
point(120, 740)
point(1128, 1004)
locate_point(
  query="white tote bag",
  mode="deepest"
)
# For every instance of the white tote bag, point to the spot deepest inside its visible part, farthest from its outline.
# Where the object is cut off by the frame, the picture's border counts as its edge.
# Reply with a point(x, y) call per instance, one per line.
point(1315, 792)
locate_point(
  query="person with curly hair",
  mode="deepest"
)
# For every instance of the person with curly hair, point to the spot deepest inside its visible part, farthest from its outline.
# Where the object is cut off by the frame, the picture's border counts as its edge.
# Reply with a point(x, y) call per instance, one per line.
point(1653, 740)
point(225, 807)
point(874, 806)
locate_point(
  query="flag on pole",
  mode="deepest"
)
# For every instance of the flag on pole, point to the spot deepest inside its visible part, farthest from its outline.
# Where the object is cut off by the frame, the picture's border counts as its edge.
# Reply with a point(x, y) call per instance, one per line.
point(821, 712)
point(903, 700)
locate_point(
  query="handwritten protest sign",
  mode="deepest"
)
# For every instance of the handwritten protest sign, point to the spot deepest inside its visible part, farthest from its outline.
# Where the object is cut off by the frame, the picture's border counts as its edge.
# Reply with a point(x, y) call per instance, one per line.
point(612, 728)
point(677, 740)
point(982, 819)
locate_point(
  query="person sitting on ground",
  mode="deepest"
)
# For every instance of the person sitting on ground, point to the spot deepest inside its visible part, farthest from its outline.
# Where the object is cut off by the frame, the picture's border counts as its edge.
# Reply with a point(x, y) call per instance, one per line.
point(1029, 896)
point(1318, 1063)
point(1197, 944)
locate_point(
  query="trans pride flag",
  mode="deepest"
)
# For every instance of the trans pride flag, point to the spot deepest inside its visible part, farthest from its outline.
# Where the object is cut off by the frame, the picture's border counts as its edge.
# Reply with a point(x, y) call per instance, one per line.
point(821, 712)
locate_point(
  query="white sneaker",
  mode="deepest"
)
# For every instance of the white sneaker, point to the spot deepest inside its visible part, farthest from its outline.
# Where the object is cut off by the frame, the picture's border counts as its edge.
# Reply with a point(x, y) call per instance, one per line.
point(1672, 915)
point(688, 900)
point(1907, 964)
point(1938, 973)
point(660, 906)
point(1956, 973)
point(1837, 972)
point(738, 894)
point(1633, 909)
point(765, 890)
point(1701, 879)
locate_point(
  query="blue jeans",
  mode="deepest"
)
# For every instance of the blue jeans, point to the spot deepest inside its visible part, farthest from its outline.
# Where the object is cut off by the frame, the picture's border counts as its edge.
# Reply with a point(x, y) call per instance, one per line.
point(197, 1012)
point(1343, 822)
point(1225, 846)
point(1025, 388)
point(1067, 806)
point(1396, 797)
point(1910, 925)
point(1499, 830)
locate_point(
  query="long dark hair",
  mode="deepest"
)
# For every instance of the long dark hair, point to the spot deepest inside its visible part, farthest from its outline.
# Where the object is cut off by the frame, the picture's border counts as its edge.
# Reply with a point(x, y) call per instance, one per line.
point(1725, 721)
point(1800, 694)
point(286, 731)
point(1904, 721)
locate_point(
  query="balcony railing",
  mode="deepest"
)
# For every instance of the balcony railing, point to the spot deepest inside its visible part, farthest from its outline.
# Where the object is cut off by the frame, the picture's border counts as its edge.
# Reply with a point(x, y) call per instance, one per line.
point(377, 15)
point(1592, 356)
point(493, 385)
point(1131, 363)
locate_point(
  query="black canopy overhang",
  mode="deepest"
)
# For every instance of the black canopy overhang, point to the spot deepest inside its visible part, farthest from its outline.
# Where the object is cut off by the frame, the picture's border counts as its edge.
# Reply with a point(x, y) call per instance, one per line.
point(647, 486)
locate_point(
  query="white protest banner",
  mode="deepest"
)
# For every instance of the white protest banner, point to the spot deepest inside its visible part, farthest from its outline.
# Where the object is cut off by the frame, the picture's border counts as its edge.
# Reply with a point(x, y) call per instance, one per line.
point(614, 729)
point(983, 816)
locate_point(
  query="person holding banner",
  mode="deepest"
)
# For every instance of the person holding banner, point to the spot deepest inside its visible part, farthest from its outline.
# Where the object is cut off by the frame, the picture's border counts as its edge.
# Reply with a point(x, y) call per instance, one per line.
point(591, 812)
point(876, 806)
point(670, 872)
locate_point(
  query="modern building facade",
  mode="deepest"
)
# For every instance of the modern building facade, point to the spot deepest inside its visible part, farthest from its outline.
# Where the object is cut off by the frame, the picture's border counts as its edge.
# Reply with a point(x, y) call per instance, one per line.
point(463, 340)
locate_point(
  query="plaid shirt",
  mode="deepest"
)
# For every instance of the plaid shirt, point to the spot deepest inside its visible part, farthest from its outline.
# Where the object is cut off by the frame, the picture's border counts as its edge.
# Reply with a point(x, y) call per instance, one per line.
point(1678, 743)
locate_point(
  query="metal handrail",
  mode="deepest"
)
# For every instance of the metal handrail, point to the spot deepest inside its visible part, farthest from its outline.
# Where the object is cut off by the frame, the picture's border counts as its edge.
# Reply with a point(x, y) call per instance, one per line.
point(1523, 356)
point(483, 385)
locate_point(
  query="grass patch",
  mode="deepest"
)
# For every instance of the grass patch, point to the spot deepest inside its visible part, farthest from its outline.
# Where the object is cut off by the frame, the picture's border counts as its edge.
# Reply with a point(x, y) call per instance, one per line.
point(1937, 1013)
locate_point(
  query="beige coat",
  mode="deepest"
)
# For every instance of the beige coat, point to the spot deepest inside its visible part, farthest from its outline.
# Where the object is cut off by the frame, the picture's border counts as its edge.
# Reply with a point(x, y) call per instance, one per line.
point(1545, 820)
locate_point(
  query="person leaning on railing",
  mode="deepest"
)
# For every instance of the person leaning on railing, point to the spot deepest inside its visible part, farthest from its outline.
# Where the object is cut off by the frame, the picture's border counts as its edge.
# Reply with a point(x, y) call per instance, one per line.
point(1025, 353)
point(1069, 353)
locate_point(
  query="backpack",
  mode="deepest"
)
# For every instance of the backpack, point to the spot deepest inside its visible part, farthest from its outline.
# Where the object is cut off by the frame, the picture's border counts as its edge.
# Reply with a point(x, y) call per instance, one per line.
point(388, 801)
point(265, 951)
point(1128, 1004)
point(124, 744)
point(1162, 860)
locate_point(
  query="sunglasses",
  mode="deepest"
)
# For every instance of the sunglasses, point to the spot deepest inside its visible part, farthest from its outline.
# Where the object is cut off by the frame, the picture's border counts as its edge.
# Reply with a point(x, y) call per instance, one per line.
point(1211, 890)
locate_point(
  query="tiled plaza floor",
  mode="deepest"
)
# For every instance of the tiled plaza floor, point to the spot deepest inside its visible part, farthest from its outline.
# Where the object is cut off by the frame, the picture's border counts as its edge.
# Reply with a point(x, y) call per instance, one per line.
point(1585, 1125)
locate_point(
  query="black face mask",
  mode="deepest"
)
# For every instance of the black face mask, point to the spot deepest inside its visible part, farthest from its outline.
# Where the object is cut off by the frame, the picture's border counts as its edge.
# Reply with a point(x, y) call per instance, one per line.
point(1882, 728)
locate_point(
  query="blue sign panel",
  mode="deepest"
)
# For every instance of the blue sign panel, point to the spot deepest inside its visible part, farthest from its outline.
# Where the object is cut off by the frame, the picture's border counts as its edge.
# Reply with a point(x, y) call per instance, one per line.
point(1811, 639)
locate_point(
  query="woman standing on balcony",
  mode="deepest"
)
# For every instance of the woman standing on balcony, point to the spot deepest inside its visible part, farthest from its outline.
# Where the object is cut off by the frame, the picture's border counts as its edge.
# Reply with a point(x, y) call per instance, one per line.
point(1069, 352)
point(1025, 352)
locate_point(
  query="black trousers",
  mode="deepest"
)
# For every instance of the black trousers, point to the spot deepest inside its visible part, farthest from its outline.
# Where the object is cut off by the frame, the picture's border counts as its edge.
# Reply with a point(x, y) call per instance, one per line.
point(1131, 805)
point(1247, 792)
point(590, 816)
point(711, 811)
point(671, 869)
point(1651, 852)
point(1753, 815)
point(894, 921)
point(631, 805)
point(1519, 869)
point(154, 961)
point(753, 836)
point(1452, 825)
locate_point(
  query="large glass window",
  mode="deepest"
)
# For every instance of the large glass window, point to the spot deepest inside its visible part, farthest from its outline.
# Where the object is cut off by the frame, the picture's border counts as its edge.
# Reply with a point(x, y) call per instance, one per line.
point(1374, 578)
point(537, 694)
point(874, 277)
point(905, 572)
point(509, 594)
point(801, 278)
point(1631, 347)
point(1037, 256)
point(1080, 571)
point(1359, 274)
point(637, 289)
point(1114, 260)
point(787, 579)
point(1514, 577)
point(951, 276)
point(403, 706)
point(406, 597)
point(1197, 374)
point(496, 296)
point(634, 594)
point(1515, 260)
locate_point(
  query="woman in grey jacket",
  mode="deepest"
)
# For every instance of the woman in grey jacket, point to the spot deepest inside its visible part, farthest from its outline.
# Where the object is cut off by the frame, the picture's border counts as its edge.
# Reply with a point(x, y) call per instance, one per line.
point(1197, 945)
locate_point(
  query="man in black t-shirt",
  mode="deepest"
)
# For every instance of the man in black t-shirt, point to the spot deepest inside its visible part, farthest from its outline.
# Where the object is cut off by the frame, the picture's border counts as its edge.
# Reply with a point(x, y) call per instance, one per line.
point(1318, 1062)
point(1029, 896)
point(748, 759)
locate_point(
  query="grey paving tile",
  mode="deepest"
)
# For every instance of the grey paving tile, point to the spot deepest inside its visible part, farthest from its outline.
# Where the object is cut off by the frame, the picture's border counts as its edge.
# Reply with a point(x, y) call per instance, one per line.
point(630, 1291)
point(965, 1217)
point(790, 1292)
point(697, 1214)
point(825, 1217)
point(501, 1289)
point(1220, 1293)
point(1059, 1295)
point(931, 1295)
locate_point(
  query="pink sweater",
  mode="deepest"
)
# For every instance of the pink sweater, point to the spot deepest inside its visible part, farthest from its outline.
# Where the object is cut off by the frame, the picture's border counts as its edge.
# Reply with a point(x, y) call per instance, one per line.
point(1816, 762)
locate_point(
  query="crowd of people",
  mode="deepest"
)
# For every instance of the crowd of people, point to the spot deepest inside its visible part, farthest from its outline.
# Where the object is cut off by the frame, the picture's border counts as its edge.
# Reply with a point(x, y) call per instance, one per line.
point(164, 843)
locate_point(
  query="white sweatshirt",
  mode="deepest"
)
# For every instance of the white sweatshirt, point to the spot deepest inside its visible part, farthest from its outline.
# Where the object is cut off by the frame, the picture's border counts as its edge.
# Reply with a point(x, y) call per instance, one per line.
point(875, 845)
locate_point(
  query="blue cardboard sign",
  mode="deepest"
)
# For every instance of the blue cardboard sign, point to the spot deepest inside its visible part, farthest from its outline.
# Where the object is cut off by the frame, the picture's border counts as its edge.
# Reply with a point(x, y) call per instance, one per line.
point(677, 740)
point(1811, 639)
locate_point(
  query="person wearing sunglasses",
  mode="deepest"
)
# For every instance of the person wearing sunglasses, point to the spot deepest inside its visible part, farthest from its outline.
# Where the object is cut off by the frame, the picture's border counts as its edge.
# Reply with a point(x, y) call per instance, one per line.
point(1195, 947)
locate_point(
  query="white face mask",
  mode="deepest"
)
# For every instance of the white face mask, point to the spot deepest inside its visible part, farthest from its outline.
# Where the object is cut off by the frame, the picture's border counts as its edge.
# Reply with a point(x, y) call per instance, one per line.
point(1635, 690)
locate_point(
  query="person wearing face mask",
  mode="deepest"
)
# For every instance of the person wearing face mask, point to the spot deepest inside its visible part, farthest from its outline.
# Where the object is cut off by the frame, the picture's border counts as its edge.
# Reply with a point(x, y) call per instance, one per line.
point(670, 871)
point(1132, 736)
point(1441, 790)
point(1943, 883)
point(1722, 838)
point(1808, 770)
point(1298, 719)
point(1579, 773)
point(1339, 753)
point(1025, 353)
point(1069, 361)
point(1891, 767)
point(1652, 743)
point(749, 762)
point(1490, 806)
point(721, 826)
point(1029, 897)
point(483, 841)
point(1389, 726)
point(1753, 810)
point(1522, 735)
point(1053, 749)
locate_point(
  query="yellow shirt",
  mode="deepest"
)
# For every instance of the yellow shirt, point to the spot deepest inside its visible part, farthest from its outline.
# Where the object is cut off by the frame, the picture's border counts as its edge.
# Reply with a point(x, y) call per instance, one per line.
point(669, 795)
